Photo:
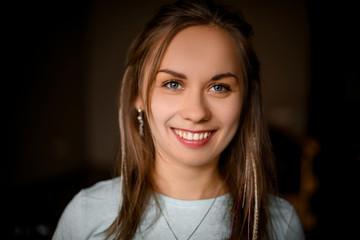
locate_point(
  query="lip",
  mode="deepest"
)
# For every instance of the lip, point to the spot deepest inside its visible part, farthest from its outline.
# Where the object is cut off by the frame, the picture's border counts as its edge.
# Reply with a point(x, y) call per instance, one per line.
point(193, 143)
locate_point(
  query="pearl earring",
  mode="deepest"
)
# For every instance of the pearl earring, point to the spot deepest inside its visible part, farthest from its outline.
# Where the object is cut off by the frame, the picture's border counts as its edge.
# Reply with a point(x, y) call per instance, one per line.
point(141, 123)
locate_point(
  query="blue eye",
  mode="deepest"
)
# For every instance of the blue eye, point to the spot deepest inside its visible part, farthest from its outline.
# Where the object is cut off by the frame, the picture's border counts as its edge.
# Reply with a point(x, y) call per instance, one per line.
point(173, 85)
point(219, 88)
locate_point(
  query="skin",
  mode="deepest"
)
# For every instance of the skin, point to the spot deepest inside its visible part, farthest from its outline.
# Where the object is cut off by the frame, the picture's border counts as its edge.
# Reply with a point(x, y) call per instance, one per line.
point(197, 89)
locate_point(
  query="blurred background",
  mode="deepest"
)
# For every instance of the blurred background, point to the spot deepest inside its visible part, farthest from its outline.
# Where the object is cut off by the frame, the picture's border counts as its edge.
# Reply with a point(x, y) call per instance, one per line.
point(63, 64)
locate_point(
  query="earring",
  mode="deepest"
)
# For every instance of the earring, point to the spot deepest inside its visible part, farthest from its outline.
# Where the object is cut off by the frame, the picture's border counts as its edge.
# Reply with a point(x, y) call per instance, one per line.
point(141, 123)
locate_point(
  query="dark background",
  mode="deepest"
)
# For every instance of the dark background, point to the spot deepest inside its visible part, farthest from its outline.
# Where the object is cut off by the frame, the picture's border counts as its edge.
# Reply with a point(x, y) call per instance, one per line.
point(46, 95)
point(334, 115)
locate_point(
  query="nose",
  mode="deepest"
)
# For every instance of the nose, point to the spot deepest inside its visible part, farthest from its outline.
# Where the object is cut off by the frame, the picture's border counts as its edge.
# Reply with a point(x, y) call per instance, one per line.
point(195, 108)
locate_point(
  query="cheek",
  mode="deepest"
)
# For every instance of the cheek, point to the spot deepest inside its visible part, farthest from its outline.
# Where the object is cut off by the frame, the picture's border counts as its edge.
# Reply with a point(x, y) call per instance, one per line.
point(229, 112)
point(232, 123)
point(162, 109)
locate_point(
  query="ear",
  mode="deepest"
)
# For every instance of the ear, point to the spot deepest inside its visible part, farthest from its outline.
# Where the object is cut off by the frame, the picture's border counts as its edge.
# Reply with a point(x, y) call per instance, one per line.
point(139, 103)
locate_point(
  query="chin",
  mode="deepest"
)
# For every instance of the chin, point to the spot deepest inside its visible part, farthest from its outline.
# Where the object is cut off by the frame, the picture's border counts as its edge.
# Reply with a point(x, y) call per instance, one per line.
point(192, 161)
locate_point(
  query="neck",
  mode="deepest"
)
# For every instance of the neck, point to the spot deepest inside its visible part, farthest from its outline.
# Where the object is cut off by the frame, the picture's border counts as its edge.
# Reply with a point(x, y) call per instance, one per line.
point(187, 182)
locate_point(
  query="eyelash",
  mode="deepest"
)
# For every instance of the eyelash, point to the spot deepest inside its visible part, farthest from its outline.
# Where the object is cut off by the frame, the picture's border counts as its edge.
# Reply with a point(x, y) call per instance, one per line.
point(225, 87)
point(167, 84)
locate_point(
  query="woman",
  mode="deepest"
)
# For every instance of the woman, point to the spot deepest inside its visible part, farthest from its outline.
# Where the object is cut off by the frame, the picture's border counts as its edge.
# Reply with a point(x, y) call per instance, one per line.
point(195, 160)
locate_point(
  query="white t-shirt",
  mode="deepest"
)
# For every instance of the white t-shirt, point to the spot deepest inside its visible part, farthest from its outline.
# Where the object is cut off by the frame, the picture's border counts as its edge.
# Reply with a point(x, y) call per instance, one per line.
point(93, 210)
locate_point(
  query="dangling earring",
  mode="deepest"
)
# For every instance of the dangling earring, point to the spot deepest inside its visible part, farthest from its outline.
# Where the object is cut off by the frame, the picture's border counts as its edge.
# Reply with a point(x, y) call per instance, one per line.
point(141, 123)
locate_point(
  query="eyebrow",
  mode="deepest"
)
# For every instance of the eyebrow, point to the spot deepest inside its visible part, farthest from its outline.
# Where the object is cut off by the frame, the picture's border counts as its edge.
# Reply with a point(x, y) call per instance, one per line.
point(223, 75)
point(173, 73)
point(183, 76)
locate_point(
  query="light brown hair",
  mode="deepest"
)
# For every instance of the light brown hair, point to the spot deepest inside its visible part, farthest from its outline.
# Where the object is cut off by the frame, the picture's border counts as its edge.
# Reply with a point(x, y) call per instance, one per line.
point(246, 163)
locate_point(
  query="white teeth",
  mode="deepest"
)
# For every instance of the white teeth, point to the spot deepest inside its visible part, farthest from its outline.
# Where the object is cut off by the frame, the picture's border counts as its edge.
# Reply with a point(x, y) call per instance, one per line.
point(205, 135)
point(180, 133)
point(196, 136)
point(189, 136)
point(192, 136)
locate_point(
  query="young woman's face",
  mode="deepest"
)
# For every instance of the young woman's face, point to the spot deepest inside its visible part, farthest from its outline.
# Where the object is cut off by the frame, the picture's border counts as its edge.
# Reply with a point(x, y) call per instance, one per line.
point(196, 98)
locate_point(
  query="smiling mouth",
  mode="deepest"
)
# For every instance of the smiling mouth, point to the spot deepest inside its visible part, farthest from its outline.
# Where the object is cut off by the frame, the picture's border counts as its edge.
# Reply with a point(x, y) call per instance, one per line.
point(193, 136)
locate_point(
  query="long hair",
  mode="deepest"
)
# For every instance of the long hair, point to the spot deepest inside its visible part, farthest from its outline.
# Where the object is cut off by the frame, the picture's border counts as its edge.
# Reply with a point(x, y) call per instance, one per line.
point(245, 165)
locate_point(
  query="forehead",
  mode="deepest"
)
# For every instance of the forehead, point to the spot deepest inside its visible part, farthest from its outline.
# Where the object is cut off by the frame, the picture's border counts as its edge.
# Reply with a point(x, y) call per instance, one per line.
point(202, 50)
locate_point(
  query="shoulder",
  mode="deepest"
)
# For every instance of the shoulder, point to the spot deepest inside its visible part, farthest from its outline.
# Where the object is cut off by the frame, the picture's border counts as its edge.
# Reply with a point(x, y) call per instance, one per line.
point(108, 190)
point(90, 212)
point(284, 220)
